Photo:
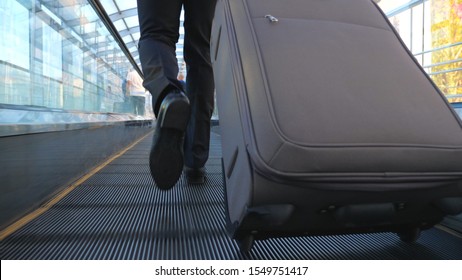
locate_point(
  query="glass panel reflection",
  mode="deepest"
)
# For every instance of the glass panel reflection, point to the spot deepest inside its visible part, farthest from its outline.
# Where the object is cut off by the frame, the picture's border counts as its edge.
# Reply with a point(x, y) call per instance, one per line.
point(59, 55)
point(431, 29)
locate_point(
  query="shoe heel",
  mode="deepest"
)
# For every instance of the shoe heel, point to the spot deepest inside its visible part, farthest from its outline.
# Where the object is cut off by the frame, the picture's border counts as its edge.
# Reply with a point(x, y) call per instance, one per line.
point(175, 112)
point(177, 115)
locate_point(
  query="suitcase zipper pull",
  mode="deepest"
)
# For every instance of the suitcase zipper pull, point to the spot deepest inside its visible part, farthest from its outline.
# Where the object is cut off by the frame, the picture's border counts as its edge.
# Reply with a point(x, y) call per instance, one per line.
point(271, 18)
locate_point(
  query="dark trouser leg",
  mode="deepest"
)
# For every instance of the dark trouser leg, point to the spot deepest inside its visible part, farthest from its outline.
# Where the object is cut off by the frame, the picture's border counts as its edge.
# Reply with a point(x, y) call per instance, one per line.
point(199, 84)
point(159, 26)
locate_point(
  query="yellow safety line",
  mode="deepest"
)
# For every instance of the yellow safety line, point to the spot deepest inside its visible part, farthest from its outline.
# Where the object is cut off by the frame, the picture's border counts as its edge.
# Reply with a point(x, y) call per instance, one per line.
point(34, 214)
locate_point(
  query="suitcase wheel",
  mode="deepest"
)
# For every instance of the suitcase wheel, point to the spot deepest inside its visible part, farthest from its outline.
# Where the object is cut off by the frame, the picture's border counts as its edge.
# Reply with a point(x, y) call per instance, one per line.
point(409, 235)
point(245, 243)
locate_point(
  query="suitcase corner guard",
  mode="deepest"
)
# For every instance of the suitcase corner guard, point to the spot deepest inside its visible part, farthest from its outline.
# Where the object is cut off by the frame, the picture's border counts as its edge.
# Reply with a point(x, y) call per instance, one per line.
point(264, 216)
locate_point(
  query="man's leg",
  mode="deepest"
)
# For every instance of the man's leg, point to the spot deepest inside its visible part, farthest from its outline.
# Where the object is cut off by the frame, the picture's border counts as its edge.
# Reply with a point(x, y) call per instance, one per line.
point(199, 84)
point(159, 26)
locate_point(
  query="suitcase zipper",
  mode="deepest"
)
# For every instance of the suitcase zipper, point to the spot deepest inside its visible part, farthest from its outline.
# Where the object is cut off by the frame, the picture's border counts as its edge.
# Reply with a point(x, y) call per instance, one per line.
point(271, 18)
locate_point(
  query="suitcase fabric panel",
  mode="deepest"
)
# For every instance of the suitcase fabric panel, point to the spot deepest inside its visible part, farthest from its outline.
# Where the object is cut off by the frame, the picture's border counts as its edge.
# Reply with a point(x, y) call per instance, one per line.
point(355, 86)
point(357, 12)
point(372, 110)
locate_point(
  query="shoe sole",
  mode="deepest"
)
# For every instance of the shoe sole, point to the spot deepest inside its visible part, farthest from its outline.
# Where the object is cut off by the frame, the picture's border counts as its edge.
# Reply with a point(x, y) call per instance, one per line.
point(195, 177)
point(166, 158)
point(196, 181)
point(177, 116)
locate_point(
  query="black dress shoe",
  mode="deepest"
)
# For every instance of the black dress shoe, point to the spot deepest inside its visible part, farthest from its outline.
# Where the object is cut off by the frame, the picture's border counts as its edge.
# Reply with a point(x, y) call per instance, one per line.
point(166, 157)
point(195, 175)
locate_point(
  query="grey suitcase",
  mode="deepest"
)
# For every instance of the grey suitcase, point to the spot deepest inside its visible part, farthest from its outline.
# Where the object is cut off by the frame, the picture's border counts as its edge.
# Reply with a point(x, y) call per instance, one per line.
point(329, 125)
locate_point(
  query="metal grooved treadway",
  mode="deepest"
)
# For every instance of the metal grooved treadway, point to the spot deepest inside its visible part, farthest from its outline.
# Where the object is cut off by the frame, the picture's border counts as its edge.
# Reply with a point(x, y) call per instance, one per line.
point(119, 214)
